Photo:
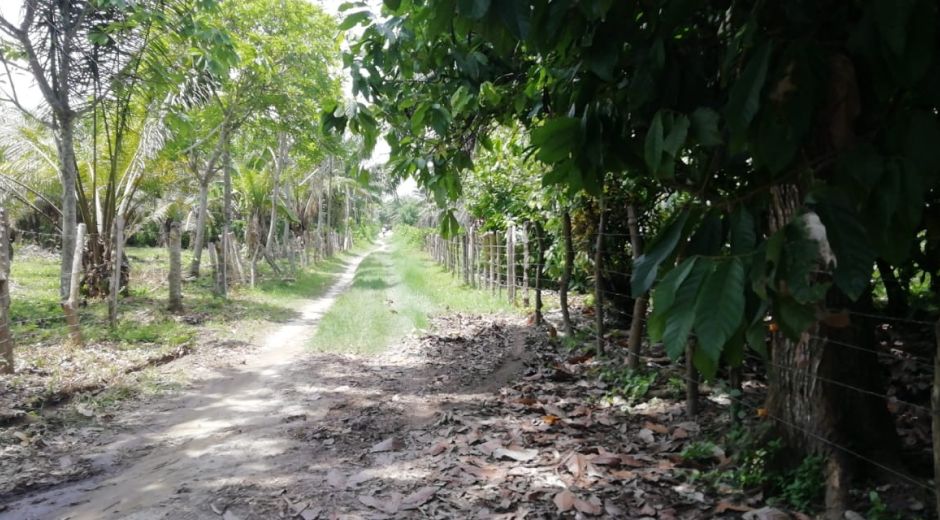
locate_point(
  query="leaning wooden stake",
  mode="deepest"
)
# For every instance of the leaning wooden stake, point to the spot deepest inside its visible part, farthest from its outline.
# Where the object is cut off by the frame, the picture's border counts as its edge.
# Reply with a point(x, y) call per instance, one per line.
point(492, 253)
point(499, 265)
point(691, 381)
point(935, 401)
point(566, 273)
point(6, 339)
point(70, 306)
point(214, 258)
point(599, 277)
point(539, 262)
point(525, 265)
point(175, 277)
point(117, 259)
point(635, 340)
point(465, 257)
point(511, 263)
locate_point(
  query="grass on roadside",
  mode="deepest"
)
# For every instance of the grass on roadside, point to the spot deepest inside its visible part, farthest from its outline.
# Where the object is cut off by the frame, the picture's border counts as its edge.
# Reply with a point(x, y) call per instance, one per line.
point(394, 293)
point(145, 331)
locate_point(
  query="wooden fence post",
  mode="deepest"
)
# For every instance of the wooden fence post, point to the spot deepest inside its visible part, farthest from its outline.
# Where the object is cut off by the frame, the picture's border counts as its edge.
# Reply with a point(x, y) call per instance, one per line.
point(6, 338)
point(525, 265)
point(493, 254)
point(599, 277)
point(511, 263)
point(471, 251)
point(465, 257)
point(117, 261)
point(499, 264)
point(70, 306)
point(175, 277)
point(539, 262)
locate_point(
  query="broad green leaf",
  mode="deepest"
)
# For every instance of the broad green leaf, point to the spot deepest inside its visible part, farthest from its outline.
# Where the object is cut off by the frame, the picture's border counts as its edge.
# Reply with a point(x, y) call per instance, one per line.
point(743, 231)
point(646, 266)
point(705, 127)
point(557, 138)
point(720, 307)
point(515, 16)
point(756, 335)
point(664, 295)
point(449, 225)
point(704, 363)
point(849, 242)
point(792, 317)
point(473, 9)
point(354, 19)
point(744, 100)
point(653, 145)
point(681, 317)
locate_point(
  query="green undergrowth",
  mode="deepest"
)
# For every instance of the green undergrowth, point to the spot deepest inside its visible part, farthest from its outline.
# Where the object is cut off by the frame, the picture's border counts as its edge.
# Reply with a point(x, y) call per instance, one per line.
point(144, 322)
point(394, 293)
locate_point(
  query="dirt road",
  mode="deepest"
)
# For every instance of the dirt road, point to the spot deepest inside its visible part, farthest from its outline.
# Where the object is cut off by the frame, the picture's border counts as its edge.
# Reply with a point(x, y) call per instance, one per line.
point(229, 428)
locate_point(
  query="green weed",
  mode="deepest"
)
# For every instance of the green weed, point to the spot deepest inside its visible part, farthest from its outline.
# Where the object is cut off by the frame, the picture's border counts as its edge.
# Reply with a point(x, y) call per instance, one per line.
point(393, 294)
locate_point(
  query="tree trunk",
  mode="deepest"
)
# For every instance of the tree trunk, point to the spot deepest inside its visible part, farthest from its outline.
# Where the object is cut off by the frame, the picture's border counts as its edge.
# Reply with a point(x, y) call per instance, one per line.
point(823, 394)
point(176, 274)
point(117, 261)
point(226, 217)
point(566, 273)
point(935, 404)
point(347, 238)
point(68, 175)
point(525, 265)
point(70, 306)
point(599, 276)
point(639, 304)
point(201, 216)
point(6, 339)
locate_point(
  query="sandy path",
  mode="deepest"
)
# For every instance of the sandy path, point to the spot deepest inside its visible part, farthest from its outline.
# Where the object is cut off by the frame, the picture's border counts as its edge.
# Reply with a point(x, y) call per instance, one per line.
point(225, 429)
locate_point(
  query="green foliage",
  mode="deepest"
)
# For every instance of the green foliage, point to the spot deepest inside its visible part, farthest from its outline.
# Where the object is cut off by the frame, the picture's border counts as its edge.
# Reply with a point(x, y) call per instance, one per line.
point(631, 385)
point(878, 510)
point(803, 487)
point(722, 105)
point(699, 451)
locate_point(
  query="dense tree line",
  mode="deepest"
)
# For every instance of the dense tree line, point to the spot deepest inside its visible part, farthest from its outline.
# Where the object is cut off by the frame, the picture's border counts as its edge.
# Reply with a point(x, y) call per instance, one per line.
point(201, 112)
point(772, 167)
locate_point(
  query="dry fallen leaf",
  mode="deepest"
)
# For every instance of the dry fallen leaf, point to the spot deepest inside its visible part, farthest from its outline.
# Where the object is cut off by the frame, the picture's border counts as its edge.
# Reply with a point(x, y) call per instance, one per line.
point(390, 504)
point(724, 506)
point(591, 506)
point(418, 498)
point(336, 479)
point(389, 444)
point(517, 455)
point(564, 500)
point(658, 428)
point(359, 478)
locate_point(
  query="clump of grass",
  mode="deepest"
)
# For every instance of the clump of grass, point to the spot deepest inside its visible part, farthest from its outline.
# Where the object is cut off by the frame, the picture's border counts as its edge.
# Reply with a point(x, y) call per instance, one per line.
point(393, 294)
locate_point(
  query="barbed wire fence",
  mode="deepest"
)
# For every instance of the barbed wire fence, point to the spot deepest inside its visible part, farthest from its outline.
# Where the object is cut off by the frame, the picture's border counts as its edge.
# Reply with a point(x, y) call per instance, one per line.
point(511, 262)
